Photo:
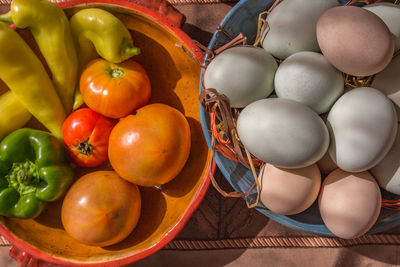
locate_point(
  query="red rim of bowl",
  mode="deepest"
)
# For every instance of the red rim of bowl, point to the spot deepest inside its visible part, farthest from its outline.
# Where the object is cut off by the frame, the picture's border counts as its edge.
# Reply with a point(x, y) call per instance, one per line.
point(34, 252)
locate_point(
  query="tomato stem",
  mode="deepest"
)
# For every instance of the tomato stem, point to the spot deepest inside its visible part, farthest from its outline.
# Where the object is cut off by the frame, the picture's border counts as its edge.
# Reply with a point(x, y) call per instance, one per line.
point(115, 73)
point(85, 147)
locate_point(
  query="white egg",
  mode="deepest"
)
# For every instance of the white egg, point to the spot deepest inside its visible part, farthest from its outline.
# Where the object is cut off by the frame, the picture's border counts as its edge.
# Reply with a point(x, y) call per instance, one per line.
point(388, 82)
point(292, 26)
point(390, 14)
point(283, 132)
point(308, 78)
point(387, 172)
point(349, 203)
point(363, 126)
point(243, 73)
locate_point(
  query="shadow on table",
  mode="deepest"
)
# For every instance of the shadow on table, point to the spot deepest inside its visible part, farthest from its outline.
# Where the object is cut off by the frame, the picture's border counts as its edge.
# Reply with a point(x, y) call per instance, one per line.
point(387, 254)
point(384, 253)
point(217, 218)
point(197, 34)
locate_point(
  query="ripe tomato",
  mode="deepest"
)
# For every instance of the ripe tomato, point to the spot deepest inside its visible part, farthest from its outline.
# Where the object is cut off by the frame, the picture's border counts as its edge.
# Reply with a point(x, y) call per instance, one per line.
point(150, 147)
point(101, 209)
point(85, 135)
point(115, 90)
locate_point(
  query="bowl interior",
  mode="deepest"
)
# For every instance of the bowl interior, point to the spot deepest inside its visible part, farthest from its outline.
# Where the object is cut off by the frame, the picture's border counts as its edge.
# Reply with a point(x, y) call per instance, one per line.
point(243, 18)
point(174, 78)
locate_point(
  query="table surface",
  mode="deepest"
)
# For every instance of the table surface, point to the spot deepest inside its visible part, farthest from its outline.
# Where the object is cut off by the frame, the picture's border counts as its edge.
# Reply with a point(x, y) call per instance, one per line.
point(218, 218)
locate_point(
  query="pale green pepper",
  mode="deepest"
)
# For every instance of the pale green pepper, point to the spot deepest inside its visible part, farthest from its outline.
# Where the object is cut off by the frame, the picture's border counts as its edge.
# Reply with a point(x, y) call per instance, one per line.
point(51, 29)
point(24, 74)
point(13, 115)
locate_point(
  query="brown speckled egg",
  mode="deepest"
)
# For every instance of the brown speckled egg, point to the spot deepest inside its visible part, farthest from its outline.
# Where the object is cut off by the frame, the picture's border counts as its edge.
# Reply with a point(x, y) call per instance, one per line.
point(289, 191)
point(349, 203)
point(355, 40)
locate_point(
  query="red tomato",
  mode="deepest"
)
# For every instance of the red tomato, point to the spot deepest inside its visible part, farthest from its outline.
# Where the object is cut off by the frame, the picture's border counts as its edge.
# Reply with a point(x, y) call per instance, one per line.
point(85, 135)
point(150, 147)
point(114, 90)
point(101, 209)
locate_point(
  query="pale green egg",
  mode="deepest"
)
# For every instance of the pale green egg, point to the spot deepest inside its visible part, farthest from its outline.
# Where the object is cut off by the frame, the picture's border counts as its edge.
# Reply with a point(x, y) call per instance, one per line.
point(292, 26)
point(283, 132)
point(363, 126)
point(243, 73)
point(308, 78)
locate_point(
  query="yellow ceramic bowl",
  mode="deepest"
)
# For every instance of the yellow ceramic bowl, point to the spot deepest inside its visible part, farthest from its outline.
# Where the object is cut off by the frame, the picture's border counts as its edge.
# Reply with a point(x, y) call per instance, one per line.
point(171, 61)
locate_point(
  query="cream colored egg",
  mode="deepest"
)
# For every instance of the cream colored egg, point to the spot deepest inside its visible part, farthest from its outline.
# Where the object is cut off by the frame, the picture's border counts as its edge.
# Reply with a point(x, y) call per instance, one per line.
point(289, 191)
point(388, 82)
point(355, 40)
point(349, 203)
point(283, 132)
point(292, 26)
point(363, 126)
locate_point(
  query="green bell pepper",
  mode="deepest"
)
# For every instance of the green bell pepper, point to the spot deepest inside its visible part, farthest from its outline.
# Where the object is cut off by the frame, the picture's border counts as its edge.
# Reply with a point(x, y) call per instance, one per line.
point(33, 171)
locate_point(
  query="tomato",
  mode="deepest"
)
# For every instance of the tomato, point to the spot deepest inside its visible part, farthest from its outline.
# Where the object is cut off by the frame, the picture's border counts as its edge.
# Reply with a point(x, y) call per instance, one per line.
point(150, 147)
point(101, 209)
point(115, 90)
point(85, 135)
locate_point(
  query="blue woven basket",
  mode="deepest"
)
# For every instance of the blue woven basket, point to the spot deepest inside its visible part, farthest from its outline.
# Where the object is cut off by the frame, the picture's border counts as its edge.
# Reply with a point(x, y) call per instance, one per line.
point(243, 18)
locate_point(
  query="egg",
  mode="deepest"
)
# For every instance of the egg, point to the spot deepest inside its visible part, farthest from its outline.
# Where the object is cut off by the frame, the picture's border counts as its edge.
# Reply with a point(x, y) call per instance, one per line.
point(390, 14)
point(243, 73)
point(363, 126)
point(308, 78)
point(387, 171)
point(388, 82)
point(355, 40)
point(283, 132)
point(349, 203)
point(292, 26)
point(289, 191)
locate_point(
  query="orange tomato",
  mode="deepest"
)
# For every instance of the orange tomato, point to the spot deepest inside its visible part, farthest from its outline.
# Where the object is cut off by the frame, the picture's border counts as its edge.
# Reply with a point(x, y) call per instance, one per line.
point(101, 209)
point(150, 147)
point(115, 90)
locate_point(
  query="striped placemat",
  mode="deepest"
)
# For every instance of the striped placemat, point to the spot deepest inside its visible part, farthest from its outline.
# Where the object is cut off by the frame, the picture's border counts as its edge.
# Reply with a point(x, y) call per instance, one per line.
point(275, 242)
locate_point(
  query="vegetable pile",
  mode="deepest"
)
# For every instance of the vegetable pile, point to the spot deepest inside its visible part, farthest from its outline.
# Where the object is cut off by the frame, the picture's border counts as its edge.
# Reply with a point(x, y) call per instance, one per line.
point(94, 104)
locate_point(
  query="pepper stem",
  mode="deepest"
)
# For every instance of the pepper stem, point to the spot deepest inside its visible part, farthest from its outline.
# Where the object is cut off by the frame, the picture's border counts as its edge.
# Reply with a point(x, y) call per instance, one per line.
point(115, 73)
point(6, 17)
point(23, 177)
point(132, 51)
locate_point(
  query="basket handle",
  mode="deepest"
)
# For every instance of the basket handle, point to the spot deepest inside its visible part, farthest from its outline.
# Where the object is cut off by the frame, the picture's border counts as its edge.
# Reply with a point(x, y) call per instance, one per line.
point(162, 7)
